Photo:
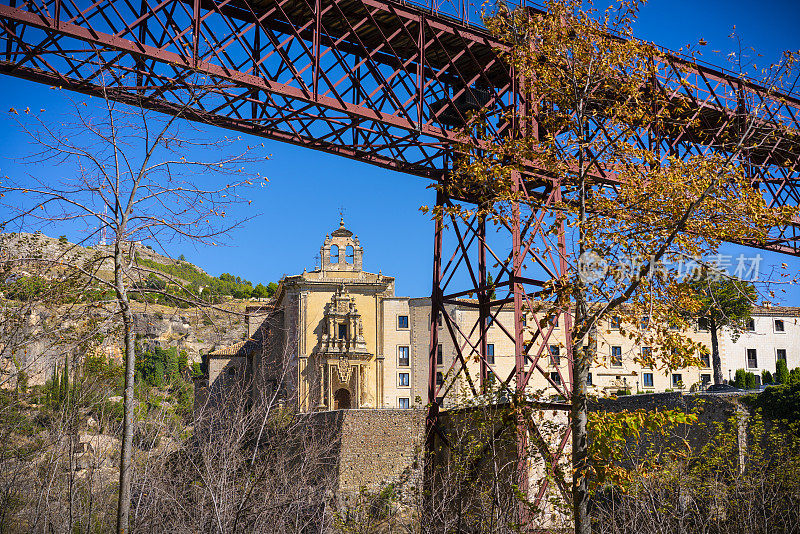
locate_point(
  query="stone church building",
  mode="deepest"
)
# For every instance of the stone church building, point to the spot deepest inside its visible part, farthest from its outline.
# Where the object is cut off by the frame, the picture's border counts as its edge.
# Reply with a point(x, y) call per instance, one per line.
point(319, 347)
point(332, 323)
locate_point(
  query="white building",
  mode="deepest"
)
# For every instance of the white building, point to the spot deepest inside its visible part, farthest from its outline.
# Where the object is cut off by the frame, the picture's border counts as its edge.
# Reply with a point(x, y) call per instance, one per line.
point(772, 334)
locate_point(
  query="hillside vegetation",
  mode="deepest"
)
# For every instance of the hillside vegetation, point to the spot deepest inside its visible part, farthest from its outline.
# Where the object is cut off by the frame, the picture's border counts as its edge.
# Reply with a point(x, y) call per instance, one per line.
point(33, 266)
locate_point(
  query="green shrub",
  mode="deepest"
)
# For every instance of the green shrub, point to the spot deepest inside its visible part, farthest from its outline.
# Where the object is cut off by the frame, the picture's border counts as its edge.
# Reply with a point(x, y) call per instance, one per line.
point(184, 398)
point(766, 377)
point(169, 360)
point(781, 372)
point(157, 378)
point(779, 402)
point(183, 361)
point(740, 379)
point(214, 288)
point(794, 376)
point(750, 381)
point(104, 370)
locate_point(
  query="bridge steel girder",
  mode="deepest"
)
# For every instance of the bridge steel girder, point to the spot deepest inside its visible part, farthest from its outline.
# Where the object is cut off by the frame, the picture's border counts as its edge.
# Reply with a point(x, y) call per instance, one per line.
point(367, 79)
point(387, 83)
point(461, 270)
point(380, 81)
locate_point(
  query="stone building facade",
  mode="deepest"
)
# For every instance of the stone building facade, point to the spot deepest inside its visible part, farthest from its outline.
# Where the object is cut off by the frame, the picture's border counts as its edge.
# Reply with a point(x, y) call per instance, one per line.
point(338, 337)
point(328, 322)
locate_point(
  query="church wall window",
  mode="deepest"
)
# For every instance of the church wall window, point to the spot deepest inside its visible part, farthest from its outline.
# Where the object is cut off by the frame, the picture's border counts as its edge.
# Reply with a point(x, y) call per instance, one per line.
point(439, 378)
point(334, 253)
point(403, 380)
point(402, 322)
point(439, 355)
point(403, 403)
point(490, 353)
point(402, 357)
point(342, 331)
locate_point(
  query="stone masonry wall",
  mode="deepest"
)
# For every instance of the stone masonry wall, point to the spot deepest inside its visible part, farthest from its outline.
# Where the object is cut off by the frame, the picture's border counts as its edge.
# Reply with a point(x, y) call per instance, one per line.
point(375, 448)
point(715, 413)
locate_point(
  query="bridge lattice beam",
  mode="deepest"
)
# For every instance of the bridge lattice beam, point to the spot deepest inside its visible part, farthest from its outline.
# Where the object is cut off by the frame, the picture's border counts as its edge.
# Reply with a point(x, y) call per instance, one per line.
point(379, 81)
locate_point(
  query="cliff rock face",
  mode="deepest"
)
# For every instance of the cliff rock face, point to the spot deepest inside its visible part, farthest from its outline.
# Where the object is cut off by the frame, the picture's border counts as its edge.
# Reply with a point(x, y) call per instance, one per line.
point(40, 339)
point(156, 326)
point(36, 337)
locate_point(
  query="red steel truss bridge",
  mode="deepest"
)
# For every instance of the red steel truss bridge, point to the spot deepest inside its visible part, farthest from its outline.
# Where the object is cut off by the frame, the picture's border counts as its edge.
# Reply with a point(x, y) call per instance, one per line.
point(385, 82)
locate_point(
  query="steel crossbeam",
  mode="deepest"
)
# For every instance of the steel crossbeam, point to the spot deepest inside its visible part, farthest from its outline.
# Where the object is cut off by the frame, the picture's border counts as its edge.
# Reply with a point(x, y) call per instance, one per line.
point(461, 276)
point(380, 81)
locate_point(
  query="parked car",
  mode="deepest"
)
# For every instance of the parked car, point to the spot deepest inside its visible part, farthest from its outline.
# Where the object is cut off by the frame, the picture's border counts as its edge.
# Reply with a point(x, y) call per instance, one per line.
point(722, 388)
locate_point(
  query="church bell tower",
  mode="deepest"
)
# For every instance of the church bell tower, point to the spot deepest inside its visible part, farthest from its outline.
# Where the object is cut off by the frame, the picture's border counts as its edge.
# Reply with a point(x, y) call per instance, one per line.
point(341, 251)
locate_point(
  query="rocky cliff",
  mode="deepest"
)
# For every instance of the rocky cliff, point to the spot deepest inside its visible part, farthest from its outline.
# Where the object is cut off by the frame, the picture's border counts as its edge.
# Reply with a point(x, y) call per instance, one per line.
point(36, 336)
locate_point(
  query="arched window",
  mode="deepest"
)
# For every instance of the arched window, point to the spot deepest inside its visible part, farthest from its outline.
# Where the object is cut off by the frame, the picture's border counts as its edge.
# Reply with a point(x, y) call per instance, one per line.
point(334, 253)
point(349, 254)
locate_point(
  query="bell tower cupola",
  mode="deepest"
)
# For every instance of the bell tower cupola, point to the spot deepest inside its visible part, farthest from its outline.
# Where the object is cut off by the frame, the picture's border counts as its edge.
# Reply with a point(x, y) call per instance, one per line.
point(341, 251)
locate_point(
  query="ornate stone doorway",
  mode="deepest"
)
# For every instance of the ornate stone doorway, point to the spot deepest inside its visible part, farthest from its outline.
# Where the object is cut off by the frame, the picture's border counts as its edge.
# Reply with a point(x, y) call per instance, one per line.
point(341, 399)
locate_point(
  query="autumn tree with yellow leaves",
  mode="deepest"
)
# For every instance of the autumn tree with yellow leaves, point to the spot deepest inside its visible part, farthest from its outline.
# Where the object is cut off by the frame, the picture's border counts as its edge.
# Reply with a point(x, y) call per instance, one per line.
point(632, 206)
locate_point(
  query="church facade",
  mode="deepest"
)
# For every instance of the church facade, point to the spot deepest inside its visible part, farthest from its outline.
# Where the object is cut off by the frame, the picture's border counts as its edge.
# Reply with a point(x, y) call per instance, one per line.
point(338, 337)
point(326, 353)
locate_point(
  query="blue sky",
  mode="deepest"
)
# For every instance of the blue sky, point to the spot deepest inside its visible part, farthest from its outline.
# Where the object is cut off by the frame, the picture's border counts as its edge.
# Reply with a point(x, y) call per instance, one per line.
point(307, 188)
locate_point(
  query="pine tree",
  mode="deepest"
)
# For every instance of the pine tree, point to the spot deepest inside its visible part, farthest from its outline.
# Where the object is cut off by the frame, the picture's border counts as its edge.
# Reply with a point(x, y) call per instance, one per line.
point(724, 302)
point(170, 364)
point(183, 361)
